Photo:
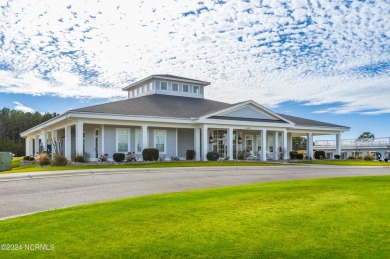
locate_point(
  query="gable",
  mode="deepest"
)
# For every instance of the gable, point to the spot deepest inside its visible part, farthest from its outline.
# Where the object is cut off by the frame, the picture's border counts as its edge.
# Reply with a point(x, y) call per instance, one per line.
point(249, 113)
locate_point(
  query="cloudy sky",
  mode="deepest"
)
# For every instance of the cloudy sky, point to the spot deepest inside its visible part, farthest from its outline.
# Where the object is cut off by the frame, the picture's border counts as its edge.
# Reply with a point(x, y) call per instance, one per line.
point(325, 60)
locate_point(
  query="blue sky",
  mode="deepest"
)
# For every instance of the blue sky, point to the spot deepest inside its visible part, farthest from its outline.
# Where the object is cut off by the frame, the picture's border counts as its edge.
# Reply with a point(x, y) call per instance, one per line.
point(325, 60)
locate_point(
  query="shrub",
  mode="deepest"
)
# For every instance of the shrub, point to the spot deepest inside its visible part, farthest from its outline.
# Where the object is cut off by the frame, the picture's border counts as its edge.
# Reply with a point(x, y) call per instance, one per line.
point(212, 156)
point(293, 154)
point(79, 159)
point(299, 156)
point(31, 158)
point(28, 158)
point(351, 158)
point(386, 160)
point(319, 154)
point(131, 157)
point(43, 159)
point(59, 160)
point(190, 154)
point(118, 157)
point(368, 158)
point(150, 154)
point(337, 156)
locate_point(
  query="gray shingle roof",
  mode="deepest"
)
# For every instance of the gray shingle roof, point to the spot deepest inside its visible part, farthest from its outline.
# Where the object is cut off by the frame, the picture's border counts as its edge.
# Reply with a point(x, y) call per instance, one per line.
point(307, 122)
point(158, 105)
point(168, 106)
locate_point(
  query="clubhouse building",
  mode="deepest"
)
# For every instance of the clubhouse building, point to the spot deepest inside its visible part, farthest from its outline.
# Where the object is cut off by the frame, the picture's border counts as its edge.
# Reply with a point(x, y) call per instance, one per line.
point(171, 114)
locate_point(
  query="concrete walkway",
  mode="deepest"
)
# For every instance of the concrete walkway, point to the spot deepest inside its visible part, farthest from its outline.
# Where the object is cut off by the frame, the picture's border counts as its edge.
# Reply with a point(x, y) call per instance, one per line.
point(25, 193)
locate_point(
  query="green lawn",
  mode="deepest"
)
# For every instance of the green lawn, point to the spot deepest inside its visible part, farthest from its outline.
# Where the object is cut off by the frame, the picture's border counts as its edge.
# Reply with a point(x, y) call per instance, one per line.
point(16, 162)
point(320, 218)
point(346, 162)
point(37, 168)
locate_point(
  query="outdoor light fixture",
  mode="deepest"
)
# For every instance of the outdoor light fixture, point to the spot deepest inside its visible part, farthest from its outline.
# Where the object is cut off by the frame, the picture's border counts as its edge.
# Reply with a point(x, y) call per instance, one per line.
point(239, 140)
point(211, 139)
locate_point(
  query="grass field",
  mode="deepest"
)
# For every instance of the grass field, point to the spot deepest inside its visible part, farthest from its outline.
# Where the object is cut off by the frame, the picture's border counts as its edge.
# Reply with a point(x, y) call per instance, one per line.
point(321, 218)
point(36, 168)
point(346, 162)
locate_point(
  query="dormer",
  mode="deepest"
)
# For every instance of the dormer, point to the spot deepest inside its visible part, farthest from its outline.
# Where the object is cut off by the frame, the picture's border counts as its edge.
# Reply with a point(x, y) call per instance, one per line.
point(168, 85)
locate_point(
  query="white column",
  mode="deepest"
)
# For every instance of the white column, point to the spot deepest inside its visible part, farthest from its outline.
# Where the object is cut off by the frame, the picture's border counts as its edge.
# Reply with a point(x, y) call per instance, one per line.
point(230, 143)
point(289, 143)
point(197, 143)
point(205, 143)
point(44, 140)
point(276, 145)
point(79, 138)
point(177, 143)
point(29, 146)
point(68, 142)
point(309, 150)
point(102, 138)
point(263, 145)
point(54, 142)
point(285, 145)
point(36, 143)
point(145, 137)
point(338, 144)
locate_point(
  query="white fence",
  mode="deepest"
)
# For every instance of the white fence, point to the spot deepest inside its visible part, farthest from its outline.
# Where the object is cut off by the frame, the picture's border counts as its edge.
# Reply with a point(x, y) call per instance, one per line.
point(377, 142)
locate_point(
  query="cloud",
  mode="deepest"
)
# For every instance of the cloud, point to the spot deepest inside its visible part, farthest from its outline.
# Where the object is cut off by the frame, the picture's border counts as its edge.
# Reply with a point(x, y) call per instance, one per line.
point(310, 52)
point(21, 107)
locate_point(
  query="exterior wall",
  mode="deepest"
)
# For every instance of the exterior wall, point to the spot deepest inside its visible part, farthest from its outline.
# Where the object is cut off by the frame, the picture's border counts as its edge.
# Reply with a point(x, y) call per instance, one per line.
point(170, 140)
point(248, 112)
point(185, 141)
point(180, 92)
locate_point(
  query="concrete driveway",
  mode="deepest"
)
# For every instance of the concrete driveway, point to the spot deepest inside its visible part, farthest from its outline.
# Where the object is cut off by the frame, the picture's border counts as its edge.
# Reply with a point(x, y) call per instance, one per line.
point(26, 193)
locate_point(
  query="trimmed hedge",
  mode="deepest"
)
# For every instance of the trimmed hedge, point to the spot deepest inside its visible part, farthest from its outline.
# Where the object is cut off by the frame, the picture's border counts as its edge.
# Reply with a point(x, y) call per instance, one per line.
point(118, 157)
point(293, 155)
point(319, 154)
point(190, 154)
point(299, 156)
point(212, 156)
point(337, 156)
point(150, 154)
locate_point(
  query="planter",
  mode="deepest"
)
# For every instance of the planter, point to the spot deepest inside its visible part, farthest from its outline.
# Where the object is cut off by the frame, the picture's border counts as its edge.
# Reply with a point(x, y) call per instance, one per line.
point(25, 162)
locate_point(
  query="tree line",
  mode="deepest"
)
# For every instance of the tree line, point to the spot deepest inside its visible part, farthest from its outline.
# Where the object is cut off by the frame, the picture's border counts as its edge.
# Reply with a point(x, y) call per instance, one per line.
point(13, 122)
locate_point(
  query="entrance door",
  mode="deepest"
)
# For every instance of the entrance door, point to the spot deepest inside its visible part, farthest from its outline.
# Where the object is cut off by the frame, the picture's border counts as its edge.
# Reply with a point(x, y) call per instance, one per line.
point(249, 144)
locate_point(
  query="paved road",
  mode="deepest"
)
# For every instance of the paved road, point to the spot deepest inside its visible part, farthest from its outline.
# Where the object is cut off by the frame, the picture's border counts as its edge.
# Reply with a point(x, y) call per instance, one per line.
point(26, 193)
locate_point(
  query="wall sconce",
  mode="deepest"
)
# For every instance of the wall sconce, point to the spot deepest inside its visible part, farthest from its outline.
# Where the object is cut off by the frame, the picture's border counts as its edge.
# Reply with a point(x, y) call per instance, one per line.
point(211, 139)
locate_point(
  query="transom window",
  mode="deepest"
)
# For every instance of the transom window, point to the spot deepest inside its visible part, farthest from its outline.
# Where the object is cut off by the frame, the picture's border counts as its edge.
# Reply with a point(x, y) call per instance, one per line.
point(196, 89)
point(164, 86)
point(185, 88)
point(122, 140)
point(160, 139)
point(175, 87)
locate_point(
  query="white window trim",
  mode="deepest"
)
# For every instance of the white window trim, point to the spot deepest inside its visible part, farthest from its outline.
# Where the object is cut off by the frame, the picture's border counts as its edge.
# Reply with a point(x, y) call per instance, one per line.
point(165, 140)
point(193, 89)
point(116, 140)
point(177, 87)
point(137, 131)
point(188, 88)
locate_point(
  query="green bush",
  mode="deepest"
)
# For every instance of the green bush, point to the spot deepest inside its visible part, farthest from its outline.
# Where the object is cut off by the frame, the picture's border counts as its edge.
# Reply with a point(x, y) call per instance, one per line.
point(118, 157)
point(31, 158)
point(368, 158)
point(386, 160)
point(150, 154)
point(59, 160)
point(28, 158)
point(43, 159)
point(351, 158)
point(190, 154)
point(79, 159)
point(319, 154)
point(299, 156)
point(337, 156)
point(212, 156)
point(293, 155)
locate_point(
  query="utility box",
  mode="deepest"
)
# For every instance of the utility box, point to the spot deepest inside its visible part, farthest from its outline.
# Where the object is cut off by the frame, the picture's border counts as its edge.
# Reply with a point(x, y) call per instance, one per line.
point(5, 161)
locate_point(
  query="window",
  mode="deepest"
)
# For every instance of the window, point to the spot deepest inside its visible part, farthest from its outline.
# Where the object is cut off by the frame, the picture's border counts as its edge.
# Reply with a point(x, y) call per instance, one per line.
point(138, 141)
point(160, 140)
point(164, 86)
point(122, 140)
point(185, 88)
point(196, 89)
point(175, 87)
